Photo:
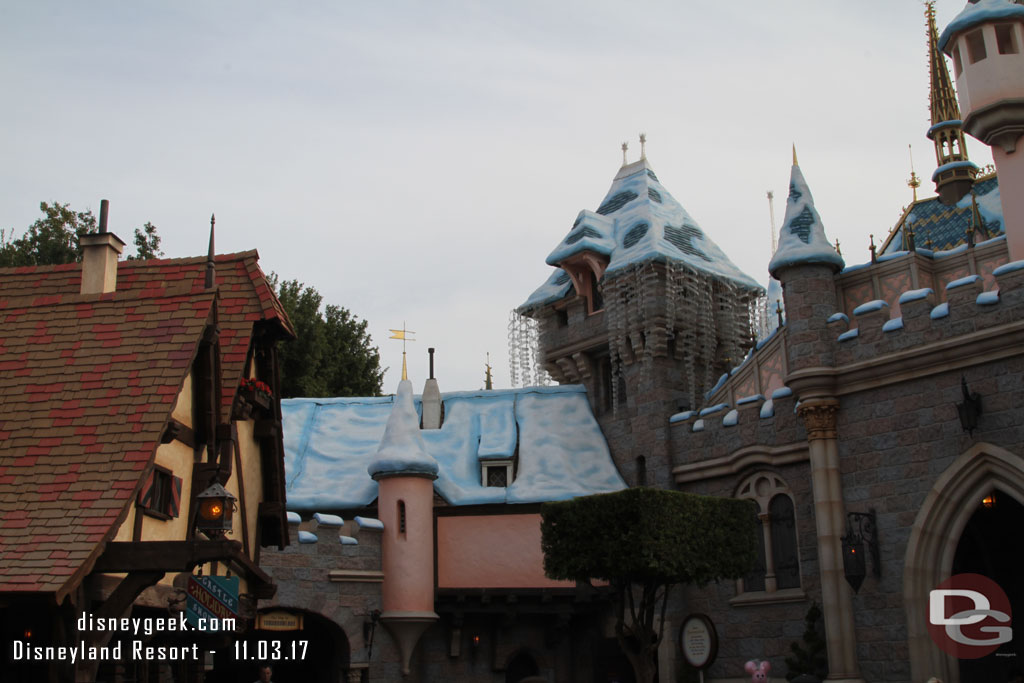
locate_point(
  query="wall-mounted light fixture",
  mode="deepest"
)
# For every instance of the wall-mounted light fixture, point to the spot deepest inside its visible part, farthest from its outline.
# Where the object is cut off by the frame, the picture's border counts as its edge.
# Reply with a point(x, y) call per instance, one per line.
point(216, 505)
point(970, 409)
point(989, 501)
point(861, 537)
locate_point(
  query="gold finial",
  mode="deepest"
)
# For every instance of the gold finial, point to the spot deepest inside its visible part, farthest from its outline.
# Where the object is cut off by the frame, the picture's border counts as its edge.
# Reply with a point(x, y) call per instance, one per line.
point(403, 334)
point(625, 146)
point(914, 181)
point(794, 155)
point(778, 311)
point(838, 250)
point(643, 146)
point(488, 380)
point(874, 257)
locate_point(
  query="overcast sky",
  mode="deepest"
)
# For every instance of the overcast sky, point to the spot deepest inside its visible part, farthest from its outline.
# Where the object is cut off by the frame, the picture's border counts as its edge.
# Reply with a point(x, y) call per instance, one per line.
point(417, 161)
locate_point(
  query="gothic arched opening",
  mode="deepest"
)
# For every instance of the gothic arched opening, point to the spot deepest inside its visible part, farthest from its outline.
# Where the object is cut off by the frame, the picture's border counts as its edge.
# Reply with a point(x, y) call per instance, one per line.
point(986, 547)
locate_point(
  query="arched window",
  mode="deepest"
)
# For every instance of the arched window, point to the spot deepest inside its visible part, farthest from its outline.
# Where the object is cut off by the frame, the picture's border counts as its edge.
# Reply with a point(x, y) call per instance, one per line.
point(778, 563)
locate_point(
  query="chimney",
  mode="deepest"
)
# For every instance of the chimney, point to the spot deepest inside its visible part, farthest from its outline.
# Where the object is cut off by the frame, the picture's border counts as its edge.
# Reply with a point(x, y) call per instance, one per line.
point(99, 257)
point(431, 399)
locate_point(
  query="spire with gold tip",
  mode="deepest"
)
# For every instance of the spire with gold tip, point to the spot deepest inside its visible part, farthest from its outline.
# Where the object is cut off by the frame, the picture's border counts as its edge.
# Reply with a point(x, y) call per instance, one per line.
point(802, 238)
point(955, 173)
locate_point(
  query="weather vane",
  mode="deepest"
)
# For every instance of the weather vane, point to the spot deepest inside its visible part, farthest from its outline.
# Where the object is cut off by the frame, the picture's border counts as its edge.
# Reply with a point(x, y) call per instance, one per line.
point(403, 334)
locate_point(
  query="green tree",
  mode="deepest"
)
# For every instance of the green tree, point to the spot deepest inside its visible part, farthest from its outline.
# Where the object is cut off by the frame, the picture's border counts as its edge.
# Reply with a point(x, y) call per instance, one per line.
point(53, 239)
point(810, 658)
point(332, 354)
point(147, 243)
point(643, 542)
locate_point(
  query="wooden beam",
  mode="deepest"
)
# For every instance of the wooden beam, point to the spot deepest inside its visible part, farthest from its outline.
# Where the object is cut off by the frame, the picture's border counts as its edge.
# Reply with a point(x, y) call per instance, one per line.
point(183, 556)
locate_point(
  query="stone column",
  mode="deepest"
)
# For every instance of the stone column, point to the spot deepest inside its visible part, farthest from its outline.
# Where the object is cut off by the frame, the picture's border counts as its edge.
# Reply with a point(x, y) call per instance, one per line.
point(819, 418)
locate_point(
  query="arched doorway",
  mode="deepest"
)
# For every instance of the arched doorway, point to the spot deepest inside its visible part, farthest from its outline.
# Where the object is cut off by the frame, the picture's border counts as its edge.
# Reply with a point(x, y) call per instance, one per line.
point(935, 537)
point(989, 546)
point(313, 654)
point(521, 666)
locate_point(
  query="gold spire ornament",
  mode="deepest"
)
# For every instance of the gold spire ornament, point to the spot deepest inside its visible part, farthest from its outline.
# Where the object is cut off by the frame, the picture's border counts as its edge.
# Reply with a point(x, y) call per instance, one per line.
point(403, 334)
point(914, 181)
point(488, 379)
point(794, 155)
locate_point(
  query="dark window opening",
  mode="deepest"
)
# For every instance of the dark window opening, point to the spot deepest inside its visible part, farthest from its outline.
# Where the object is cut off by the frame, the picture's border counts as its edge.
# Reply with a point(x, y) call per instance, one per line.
point(1006, 40)
point(401, 517)
point(596, 298)
point(976, 46)
point(784, 552)
point(562, 317)
point(754, 581)
point(641, 470)
point(606, 383)
point(161, 494)
point(497, 476)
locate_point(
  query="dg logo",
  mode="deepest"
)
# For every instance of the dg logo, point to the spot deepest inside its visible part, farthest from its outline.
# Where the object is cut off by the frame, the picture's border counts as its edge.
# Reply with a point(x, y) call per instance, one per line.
point(969, 616)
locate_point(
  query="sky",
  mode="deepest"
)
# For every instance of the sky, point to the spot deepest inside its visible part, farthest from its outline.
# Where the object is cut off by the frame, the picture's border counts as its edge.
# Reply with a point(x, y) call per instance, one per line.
point(416, 161)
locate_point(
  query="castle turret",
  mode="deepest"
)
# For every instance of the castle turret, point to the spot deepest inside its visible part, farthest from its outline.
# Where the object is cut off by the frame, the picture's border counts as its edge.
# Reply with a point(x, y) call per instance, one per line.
point(646, 311)
point(805, 263)
point(955, 173)
point(405, 473)
point(986, 42)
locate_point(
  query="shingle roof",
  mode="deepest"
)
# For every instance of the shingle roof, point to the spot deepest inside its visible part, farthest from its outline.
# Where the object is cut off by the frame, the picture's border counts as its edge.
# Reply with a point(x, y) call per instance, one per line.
point(87, 384)
point(937, 226)
point(85, 391)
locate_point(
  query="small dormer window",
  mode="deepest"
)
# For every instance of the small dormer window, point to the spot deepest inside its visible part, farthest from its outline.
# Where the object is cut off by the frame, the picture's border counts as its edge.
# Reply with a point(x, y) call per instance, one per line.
point(975, 46)
point(1006, 40)
point(496, 473)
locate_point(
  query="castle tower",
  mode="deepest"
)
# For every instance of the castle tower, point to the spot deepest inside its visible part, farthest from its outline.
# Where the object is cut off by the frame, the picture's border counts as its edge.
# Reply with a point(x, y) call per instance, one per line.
point(986, 42)
point(646, 311)
point(405, 473)
point(955, 173)
point(805, 263)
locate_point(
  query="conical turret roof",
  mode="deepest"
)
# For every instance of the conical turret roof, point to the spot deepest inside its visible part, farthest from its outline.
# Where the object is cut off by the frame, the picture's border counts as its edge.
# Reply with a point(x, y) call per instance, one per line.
point(638, 221)
point(402, 450)
point(802, 238)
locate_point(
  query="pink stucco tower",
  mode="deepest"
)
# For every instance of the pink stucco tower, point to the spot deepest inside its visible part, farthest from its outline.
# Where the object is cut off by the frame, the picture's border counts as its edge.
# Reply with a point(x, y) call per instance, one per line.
point(986, 42)
point(405, 473)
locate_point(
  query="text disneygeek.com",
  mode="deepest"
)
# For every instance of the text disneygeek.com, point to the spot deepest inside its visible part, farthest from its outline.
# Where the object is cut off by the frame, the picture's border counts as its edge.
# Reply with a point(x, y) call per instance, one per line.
point(135, 648)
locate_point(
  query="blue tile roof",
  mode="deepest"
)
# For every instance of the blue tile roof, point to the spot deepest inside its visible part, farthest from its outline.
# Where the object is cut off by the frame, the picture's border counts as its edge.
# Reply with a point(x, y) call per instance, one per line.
point(939, 227)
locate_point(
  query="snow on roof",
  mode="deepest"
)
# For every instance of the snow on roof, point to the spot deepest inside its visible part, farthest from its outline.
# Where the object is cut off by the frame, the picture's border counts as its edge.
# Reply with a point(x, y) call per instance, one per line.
point(401, 449)
point(802, 238)
point(978, 13)
point(640, 221)
point(561, 450)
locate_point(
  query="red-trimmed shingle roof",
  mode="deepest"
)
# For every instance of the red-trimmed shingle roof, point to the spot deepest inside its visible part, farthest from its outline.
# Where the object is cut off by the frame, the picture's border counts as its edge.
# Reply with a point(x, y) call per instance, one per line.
point(87, 384)
point(86, 388)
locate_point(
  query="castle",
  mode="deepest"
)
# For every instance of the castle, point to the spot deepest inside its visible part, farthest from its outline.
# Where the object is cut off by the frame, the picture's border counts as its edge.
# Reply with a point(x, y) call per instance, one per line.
point(876, 423)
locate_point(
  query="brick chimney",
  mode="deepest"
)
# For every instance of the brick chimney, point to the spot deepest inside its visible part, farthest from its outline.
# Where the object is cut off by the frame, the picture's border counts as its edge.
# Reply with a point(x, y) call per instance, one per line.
point(99, 257)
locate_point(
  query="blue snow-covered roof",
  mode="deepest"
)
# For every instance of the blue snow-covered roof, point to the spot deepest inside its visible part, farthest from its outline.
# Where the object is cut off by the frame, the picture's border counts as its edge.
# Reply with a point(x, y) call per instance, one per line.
point(938, 227)
point(802, 237)
point(639, 221)
point(561, 450)
point(978, 13)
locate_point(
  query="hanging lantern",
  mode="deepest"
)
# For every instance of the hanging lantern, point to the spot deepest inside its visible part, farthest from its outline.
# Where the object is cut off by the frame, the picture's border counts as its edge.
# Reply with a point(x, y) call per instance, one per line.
point(216, 504)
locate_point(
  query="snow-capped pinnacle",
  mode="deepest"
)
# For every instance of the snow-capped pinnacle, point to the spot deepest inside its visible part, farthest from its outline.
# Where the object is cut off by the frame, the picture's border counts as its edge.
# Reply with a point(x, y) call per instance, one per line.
point(402, 450)
point(802, 239)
